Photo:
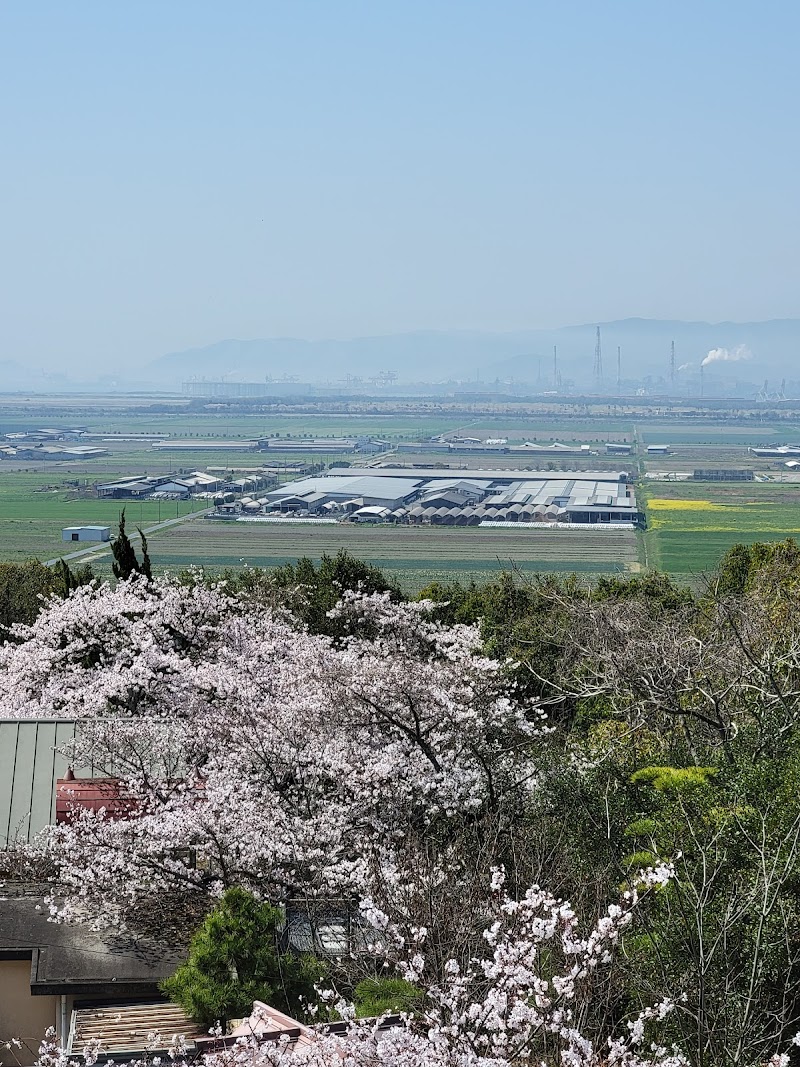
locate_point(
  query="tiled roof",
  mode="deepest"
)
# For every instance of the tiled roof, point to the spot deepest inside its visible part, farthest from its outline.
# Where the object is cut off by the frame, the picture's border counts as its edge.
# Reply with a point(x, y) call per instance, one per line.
point(131, 1028)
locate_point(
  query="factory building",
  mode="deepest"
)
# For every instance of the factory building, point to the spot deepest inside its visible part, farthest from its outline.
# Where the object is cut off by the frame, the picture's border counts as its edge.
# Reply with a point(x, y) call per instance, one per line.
point(776, 451)
point(142, 486)
point(51, 452)
point(326, 445)
point(396, 495)
point(555, 449)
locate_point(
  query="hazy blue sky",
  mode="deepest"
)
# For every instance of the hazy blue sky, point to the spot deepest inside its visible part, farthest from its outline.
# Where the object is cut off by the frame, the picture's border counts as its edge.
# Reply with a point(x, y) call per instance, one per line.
point(175, 172)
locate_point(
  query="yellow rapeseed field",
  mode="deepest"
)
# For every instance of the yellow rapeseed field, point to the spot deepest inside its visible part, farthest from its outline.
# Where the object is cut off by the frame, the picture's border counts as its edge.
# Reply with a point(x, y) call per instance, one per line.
point(660, 504)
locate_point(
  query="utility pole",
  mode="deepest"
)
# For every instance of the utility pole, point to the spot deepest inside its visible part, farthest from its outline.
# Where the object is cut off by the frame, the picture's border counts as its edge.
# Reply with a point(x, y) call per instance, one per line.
point(598, 361)
point(619, 370)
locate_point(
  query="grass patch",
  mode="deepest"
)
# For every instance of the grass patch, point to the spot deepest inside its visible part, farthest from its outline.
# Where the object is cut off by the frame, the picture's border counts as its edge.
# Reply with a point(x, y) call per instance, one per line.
point(685, 555)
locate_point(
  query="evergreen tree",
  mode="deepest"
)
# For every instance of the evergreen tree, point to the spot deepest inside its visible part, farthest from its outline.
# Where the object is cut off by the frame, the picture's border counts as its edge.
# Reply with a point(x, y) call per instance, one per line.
point(234, 959)
point(125, 561)
point(384, 996)
point(145, 565)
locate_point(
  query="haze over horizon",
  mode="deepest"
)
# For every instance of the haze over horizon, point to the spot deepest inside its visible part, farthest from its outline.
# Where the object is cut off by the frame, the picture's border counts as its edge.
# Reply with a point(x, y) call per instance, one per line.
point(181, 174)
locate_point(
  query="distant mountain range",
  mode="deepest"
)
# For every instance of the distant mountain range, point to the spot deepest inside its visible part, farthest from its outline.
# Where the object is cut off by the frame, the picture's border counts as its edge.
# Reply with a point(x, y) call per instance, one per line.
point(751, 351)
point(754, 350)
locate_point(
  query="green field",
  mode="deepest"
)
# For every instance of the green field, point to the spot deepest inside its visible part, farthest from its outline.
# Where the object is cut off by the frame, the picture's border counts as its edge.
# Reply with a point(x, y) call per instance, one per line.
point(686, 556)
point(692, 524)
point(186, 424)
point(32, 514)
point(416, 555)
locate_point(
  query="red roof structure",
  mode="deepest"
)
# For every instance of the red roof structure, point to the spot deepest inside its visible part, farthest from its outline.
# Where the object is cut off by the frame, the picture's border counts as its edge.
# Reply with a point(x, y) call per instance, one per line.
point(81, 794)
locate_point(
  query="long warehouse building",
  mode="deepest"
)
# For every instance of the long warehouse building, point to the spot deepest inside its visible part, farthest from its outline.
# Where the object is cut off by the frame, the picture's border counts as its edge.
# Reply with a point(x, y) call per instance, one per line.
point(396, 494)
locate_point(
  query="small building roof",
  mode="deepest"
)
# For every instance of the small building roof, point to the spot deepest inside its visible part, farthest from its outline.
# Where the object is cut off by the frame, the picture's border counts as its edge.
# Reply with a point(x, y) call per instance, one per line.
point(129, 1029)
point(66, 958)
point(30, 766)
point(375, 510)
point(268, 1024)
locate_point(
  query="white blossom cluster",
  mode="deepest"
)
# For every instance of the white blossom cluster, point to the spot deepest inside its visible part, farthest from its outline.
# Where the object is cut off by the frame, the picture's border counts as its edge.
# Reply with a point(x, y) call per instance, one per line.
point(252, 752)
point(257, 753)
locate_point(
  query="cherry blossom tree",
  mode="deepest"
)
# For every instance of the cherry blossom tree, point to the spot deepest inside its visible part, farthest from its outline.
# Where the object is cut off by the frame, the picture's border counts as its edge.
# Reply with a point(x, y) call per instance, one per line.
point(253, 753)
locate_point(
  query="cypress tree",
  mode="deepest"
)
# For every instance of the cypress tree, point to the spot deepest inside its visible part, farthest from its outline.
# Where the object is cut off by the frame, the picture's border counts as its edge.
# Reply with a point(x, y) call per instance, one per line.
point(125, 562)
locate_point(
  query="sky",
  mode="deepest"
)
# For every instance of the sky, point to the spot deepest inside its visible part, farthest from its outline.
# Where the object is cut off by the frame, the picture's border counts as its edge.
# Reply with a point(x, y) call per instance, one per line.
point(174, 173)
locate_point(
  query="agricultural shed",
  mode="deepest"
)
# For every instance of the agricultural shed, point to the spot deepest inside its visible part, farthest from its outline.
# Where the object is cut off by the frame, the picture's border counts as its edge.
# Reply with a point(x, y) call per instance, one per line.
point(86, 533)
point(729, 474)
point(370, 513)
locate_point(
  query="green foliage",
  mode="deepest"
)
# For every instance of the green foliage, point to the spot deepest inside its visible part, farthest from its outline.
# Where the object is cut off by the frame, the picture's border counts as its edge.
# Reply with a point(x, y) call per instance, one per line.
point(523, 621)
point(674, 779)
point(126, 562)
point(659, 590)
point(310, 590)
point(382, 996)
point(641, 828)
point(234, 959)
point(66, 580)
point(771, 567)
point(24, 588)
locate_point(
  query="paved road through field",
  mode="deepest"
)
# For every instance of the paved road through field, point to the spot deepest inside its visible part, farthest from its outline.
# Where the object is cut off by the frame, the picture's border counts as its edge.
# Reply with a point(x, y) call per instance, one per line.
point(96, 550)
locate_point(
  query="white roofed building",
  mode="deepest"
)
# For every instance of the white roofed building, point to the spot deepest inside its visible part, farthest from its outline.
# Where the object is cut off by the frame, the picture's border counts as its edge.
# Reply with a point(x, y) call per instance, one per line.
point(588, 497)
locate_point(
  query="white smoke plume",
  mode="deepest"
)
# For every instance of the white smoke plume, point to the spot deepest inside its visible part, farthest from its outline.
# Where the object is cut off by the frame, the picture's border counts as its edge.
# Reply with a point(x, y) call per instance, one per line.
point(727, 355)
point(685, 366)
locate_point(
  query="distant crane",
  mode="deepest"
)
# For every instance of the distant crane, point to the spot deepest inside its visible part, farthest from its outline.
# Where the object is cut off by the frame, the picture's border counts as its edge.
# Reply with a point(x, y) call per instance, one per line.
point(386, 377)
point(556, 371)
point(765, 394)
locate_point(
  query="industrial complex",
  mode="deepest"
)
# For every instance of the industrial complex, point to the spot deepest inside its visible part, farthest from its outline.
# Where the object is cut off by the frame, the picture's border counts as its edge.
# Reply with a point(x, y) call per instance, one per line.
point(395, 494)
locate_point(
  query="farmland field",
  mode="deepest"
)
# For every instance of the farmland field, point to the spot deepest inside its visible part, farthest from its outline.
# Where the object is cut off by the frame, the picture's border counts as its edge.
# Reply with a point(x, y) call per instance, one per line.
point(416, 555)
point(690, 525)
point(35, 507)
point(37, 499)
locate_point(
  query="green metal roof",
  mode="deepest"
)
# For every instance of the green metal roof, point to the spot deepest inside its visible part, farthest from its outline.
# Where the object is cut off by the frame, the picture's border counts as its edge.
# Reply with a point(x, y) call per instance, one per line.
point(29, 769)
